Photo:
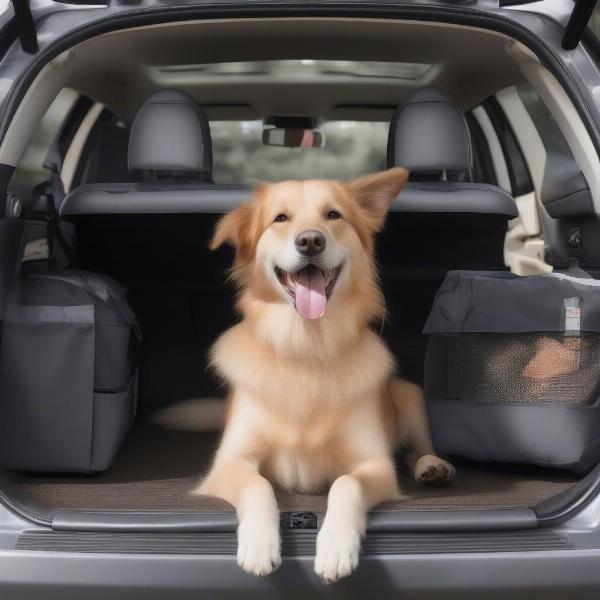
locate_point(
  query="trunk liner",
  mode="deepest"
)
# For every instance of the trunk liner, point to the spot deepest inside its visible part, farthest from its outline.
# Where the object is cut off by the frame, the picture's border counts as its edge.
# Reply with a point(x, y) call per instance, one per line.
point(156, 469)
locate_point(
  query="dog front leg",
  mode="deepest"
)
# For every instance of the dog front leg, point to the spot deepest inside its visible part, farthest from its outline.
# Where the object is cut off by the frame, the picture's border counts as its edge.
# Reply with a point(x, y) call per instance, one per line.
point(350, 497)
point(238, 482)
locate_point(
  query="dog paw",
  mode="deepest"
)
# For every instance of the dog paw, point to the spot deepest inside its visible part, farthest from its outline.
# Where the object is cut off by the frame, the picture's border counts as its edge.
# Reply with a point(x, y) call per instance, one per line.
point(338, 547)
point(258, 549)
point(432, 470)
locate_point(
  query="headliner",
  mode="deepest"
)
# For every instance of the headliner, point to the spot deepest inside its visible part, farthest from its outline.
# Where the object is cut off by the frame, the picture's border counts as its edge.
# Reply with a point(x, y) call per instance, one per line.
point(119, 69)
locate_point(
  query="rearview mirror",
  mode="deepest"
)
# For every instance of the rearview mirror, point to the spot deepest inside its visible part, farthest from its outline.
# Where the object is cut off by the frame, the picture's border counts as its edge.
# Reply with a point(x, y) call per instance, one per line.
point(293, 138)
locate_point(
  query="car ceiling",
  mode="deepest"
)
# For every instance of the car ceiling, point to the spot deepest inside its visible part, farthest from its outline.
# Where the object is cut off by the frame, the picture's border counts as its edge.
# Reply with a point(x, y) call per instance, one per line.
point(122, 68)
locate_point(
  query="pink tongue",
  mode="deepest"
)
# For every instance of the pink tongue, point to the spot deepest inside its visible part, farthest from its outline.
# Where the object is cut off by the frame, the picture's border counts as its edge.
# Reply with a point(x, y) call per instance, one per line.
point(311, 298)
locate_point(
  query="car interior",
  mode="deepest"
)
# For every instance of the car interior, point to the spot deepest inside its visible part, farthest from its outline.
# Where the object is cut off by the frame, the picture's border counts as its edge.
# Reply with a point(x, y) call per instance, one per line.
point(139, 167)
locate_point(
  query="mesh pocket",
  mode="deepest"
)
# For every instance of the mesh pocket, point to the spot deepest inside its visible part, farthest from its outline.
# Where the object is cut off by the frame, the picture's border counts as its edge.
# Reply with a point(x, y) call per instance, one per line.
point(529, 367)
point(512, 370)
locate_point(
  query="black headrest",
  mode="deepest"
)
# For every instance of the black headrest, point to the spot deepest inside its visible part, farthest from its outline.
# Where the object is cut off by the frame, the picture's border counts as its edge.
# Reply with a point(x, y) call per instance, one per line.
point(170, 133)
point(565, 191)
point(428, 133)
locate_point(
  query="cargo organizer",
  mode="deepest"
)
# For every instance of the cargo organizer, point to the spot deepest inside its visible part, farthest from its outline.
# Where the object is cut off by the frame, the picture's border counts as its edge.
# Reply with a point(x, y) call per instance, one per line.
point(512, 369)
point(68, 374)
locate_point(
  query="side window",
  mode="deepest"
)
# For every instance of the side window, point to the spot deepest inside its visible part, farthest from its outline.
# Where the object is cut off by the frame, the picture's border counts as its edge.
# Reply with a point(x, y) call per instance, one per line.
point(30, 171)
point(594, 23)
point(498, 119)
point(498, 159)
point(102, 157)
point(520, 179)
point(483, 164)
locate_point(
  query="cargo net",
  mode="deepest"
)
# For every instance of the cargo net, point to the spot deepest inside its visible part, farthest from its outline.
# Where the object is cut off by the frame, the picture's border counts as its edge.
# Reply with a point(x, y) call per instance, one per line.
point(532, 368)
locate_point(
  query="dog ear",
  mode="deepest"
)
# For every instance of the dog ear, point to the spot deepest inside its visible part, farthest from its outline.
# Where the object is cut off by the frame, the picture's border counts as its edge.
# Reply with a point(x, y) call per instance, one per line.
point(240, 228)
point(375, 192)
point(230, 228)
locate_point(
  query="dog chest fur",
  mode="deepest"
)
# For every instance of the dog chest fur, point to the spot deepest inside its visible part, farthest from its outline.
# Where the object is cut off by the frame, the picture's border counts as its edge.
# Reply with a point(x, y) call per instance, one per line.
point(299, 388)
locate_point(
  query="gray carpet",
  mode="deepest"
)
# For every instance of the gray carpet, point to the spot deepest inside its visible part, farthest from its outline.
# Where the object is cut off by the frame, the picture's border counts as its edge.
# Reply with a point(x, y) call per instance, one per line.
point(156, 469)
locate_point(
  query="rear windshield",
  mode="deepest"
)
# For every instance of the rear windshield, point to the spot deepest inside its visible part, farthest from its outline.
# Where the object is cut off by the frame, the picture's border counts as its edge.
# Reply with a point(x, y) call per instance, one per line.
point(352, 148)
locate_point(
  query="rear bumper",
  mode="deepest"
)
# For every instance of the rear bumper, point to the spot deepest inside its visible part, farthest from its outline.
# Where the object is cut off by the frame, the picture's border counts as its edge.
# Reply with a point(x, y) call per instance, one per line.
point(67, 575)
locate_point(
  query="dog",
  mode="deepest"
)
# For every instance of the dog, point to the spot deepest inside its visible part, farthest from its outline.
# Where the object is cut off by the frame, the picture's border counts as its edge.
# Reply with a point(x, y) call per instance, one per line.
point(313, 399)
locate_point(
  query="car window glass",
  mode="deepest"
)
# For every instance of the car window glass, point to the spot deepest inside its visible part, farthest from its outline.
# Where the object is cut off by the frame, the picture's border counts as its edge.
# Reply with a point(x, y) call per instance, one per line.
point(520, 179)
point(483, 167)
point(352, 148)
point(594, 23)
point(30, 170)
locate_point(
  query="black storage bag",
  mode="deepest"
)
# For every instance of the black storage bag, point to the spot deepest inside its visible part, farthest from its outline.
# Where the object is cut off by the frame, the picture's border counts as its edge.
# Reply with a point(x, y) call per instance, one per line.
point(68, 372)
point(512, 369)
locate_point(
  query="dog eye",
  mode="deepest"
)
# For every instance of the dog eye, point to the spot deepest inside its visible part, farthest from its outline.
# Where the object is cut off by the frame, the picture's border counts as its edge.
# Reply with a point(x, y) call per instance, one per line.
point(333, 214)
point(280, 218)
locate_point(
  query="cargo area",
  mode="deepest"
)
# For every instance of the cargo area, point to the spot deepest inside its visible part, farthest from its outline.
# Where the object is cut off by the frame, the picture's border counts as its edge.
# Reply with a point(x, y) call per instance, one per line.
point(156, 470)
point(182, 314)
point(142, 198)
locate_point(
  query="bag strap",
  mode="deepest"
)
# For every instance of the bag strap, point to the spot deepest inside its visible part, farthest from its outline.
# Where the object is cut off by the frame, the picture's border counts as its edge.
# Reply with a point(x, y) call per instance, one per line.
point(53, 191)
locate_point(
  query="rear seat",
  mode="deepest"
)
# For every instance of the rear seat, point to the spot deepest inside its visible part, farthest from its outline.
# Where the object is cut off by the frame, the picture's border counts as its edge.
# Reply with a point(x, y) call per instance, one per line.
point(447, 219)
point(442, 220)
point(170, 153)
point(156, 229)
point(153, 237)
point(170, 146)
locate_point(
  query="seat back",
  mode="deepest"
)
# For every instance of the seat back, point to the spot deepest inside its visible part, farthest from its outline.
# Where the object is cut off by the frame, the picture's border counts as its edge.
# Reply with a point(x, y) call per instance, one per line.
point(149, 234)
point(447, 220)
point(442, 220)
point(122, 228)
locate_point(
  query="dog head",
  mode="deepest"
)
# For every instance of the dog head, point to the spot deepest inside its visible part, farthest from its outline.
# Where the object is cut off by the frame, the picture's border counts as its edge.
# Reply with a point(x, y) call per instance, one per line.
point(308, 245)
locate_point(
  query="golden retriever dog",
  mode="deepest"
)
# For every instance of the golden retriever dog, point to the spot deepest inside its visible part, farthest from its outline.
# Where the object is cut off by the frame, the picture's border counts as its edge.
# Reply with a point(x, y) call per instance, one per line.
point(313, 400)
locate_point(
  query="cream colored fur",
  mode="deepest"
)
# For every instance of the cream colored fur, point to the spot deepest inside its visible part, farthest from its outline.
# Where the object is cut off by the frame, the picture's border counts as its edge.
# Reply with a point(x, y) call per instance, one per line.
point(313, 404)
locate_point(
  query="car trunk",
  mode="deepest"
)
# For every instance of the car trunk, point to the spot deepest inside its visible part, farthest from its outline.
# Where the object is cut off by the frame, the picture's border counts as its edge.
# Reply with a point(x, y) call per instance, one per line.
point(157, 469)
point(182, 300)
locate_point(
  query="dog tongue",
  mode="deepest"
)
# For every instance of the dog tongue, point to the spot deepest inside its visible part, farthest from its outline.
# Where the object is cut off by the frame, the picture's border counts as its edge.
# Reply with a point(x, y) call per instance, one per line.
point(311, 298)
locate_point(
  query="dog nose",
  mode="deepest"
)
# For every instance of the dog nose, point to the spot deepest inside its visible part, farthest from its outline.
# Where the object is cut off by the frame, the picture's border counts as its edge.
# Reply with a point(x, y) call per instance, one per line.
point(310, 242)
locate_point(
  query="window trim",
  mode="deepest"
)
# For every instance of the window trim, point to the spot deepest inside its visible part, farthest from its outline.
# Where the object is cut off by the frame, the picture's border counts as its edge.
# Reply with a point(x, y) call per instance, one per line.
point(79, 142)
point(501, 123)
point(496, 151)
